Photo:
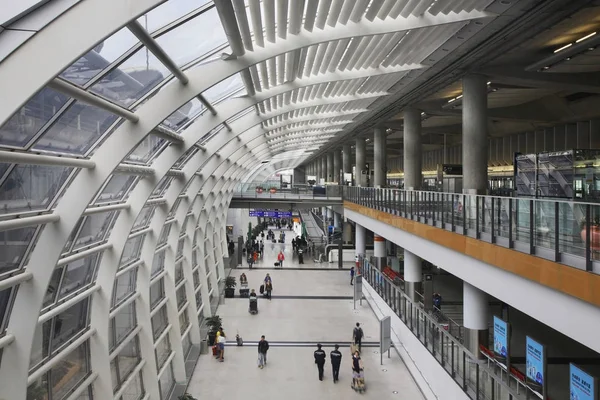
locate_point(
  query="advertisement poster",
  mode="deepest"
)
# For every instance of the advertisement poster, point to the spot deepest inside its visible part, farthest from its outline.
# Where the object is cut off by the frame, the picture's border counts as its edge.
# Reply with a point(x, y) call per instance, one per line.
point(583, 386)
point(501, 342)
point(535, 360)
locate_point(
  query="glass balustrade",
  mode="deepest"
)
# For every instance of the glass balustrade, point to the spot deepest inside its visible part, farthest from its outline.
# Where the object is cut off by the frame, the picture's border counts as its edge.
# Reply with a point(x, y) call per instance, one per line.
point(562, 231)
point(477, 378)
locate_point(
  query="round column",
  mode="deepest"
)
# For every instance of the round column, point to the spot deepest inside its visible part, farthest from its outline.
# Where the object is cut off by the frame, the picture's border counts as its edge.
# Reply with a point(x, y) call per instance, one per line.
point(413, 273)
point(475, 128)
point(361, 160)
point(347, 235)
point(379, 251)
point(337, 166)
point(380, 168)
point(330, 171)
point(475, 317)
point(412, 149)
point(346, 162)
point(360, 240)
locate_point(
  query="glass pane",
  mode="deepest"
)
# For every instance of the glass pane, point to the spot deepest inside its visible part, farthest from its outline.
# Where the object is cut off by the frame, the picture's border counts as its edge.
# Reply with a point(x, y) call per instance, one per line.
point(195, 38)
point(181, 297)
point(25, 123)
point(224, 88)
point(159, 321)
point(178, 272)
point(31, 187)
point(123, 322)
point(180, 247)
point(198, 300)
point(77, 130)
point(163, 350)
point(187, 345)
point(38, 390)
point(68, 323)
point(145, 151)
point(128, 358)
point(116, 188)
point(162, 186)
point(211, 134)
point(132, 250)
point(164, 235)
point(143, 219)
point(168, 12)
point(158, 263)
point(135, 390)
point(79, 274)
point(50, 296)
point(174, 208)
point(100, 57)
point(184, 322)
point(167, 381)
point(135, 77)
point(157, 292)
point(196, 277)
point(124, 286)
point(5, 296)
point(183, 115)
point(13, 247)
point(41, 343)
point(95, 228)
point(186, 156)
point(69, 372)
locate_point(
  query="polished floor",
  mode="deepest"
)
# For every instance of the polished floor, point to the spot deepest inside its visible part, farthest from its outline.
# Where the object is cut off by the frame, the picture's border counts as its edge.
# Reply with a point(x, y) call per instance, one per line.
point(308, 306)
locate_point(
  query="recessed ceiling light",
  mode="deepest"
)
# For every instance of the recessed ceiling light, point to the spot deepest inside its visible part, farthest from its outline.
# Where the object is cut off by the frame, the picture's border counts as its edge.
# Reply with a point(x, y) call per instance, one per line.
point(566, 46)
point(585, 37)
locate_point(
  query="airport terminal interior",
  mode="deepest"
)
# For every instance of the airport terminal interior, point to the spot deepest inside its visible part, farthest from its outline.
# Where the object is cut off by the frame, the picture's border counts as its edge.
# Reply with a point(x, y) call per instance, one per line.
point(181, 180)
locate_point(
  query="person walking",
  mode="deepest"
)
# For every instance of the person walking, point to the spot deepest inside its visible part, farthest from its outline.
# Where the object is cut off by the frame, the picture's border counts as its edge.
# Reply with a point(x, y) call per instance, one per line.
point(336, 360)
point(268, 289)
point(263, 346)
point(352, 276)
point(320, 357)
point(357, 336)
point(280, 258)
point(221, 343)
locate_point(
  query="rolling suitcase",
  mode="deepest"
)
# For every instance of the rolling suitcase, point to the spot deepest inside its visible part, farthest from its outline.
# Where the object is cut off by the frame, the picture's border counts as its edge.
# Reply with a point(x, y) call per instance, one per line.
point(262, 289)
point(276, 264)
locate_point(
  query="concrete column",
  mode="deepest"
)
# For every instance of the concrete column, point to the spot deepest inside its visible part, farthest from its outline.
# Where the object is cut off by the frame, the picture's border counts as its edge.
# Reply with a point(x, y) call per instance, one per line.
point(360, 240)
point(379, 154)
point(412, 273)
point(330, 173)
point(337, 220)
point(475, 134)
point(324, 168)
point(475, 317)
point(413, 151)
point(346, 162)
point(361, 159)
point(379, 251)
point(337, 166)
point(347, 233)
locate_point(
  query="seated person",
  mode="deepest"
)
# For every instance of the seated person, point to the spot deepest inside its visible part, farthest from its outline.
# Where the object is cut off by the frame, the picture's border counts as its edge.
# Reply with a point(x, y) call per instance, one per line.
point(253, 295)
point(243, 279)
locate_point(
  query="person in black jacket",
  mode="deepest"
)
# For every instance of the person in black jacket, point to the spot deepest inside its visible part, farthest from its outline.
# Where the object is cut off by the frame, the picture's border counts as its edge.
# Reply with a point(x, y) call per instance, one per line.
point(263, 346)
point(320, 360)
point(336, 360)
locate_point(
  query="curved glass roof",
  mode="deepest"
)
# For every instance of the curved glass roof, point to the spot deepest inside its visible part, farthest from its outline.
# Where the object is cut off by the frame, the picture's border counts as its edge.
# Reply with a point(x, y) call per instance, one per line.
point(99, 204)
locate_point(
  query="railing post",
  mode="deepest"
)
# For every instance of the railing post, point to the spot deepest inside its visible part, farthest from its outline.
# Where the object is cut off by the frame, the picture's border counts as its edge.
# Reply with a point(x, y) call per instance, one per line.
point(464, 357)
point(476, 217)
point(464, 210)
point(452, 359)
point(531, 228)
point(588, 247)
point(493, 236)
point(556, 233)
point(477, 381)
point(510, 223)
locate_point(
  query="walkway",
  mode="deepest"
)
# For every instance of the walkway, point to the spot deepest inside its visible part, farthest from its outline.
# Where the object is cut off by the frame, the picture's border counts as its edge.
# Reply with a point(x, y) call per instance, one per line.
point(308, 306)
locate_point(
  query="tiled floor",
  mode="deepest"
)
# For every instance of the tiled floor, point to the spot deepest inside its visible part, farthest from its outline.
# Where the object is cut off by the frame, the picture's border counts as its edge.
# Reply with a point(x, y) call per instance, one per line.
point(293, 326)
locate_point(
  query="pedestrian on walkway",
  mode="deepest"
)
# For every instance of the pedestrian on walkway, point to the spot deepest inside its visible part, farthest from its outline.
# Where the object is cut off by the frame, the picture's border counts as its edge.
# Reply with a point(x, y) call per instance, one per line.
point(336, 360)
point(263, 346)
point(357, 336)
point(352, 276)
point(221, 343)
point(320, 360)
point(280, 258)
point(268, 289)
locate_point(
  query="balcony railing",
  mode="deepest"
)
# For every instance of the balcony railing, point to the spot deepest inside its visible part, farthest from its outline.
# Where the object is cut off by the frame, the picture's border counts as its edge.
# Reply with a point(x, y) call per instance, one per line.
point(295, 192)
point(478, 379)
point(566, 232)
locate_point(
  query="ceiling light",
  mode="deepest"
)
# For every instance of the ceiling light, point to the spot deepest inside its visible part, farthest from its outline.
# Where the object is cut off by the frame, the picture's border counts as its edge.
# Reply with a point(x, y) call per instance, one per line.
point(458, 97)
point(451, 100)
point(566, 46)
point(489, 83)
point(585, 37)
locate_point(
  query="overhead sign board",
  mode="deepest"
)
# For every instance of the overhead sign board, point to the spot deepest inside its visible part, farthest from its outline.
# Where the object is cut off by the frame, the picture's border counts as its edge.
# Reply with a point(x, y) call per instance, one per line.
point(270, 213)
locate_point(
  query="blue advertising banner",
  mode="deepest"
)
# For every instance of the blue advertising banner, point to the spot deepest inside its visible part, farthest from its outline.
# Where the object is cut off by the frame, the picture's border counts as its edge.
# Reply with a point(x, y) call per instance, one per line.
point(583, 386)
point(535, 360)
point(501, 342)
point(270, 213)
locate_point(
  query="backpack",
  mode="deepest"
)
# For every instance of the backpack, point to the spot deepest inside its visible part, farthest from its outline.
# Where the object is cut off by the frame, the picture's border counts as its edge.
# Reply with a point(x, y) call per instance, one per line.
point(358, 333)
